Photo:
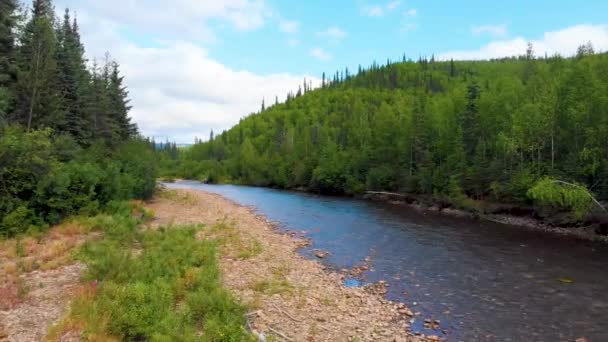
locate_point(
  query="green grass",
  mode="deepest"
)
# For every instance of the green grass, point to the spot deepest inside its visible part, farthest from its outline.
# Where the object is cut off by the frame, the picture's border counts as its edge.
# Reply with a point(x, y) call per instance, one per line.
point(170, 290)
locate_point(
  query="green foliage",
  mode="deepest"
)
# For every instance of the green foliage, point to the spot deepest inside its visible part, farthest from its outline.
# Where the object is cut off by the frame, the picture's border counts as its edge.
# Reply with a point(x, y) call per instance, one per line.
point(488, 128)
point(44, 179)
point(169, 289)
point(572, 197)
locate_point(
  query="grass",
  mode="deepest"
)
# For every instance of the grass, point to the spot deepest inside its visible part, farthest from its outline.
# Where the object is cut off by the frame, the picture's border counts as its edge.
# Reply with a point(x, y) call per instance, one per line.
point(272, 286)
point(233, 243)
point(177, 196)
point(170, 290)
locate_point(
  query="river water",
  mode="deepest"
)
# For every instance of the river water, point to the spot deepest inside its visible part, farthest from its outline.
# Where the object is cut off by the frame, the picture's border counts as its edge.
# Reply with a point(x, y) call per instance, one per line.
point(483, 281)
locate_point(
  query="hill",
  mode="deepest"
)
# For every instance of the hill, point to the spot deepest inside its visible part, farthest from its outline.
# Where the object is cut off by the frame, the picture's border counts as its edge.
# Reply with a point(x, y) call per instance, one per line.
point(483, 130)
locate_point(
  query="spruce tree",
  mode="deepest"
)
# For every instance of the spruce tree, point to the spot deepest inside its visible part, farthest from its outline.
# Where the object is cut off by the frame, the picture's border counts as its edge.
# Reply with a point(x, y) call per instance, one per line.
point(8, 68)
point(37, 89)
point(73, 80)
point(119, 107)
point(98, 106)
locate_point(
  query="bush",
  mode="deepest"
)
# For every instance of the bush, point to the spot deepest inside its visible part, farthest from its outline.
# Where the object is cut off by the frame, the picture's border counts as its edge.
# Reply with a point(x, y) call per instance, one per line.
point(170, 290)
point(44, 178)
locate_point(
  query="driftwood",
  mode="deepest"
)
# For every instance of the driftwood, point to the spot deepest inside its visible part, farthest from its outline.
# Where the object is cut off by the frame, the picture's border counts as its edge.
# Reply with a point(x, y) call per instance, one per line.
point(385, 193)
point(280, 334)
point(287, 314)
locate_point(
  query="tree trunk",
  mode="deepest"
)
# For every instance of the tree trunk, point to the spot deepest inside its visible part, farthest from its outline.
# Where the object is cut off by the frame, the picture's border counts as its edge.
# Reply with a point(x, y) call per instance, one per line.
point(34, 87)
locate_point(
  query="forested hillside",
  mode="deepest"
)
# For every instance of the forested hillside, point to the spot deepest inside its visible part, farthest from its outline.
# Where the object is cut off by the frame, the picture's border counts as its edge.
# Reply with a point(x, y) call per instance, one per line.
point(67, 144)
point(456, 130)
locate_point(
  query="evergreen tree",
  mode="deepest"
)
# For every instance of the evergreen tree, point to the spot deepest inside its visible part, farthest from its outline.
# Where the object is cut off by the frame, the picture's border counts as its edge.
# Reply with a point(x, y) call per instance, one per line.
point(37, 92)
point(98, 105)
point(469, 120)
point(119, 107)
point(73, 80)
point(8, 68)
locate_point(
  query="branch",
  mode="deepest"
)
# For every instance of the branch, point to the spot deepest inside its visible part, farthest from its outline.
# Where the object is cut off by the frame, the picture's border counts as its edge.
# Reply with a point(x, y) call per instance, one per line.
point(586, 191)
point(280, 334)
point(287, 314)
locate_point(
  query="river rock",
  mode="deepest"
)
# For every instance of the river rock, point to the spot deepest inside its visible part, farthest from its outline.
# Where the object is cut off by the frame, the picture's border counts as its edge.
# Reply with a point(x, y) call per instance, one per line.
point(321, 254)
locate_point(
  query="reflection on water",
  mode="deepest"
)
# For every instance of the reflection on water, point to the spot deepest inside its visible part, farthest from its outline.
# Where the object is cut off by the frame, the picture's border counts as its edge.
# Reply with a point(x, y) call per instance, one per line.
point(483, 281)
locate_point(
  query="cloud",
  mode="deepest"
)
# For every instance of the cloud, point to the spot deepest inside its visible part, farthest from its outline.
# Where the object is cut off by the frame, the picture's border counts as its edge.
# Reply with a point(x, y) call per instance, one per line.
point(333, 32)
point(177, 89)
point(289, 26)
point(190, 19)
point(293, 42)
point(493, 30)
point(564, 42)
point(380, 10)
point(393, 5)
point(373, 11)
point(411, 12)
point(320, 54)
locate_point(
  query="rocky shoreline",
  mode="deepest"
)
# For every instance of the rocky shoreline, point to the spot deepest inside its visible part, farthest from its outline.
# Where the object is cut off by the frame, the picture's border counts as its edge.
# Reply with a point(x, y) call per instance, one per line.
point(508, 215)
point(291, 297)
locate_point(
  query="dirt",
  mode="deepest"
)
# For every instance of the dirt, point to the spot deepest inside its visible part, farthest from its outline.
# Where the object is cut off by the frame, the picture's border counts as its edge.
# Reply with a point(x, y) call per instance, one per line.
point(291, 298)
point(37, 280)
point(48, 299)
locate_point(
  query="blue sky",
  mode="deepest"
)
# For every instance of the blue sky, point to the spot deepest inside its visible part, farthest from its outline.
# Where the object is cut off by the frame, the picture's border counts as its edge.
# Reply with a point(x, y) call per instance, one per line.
point(193, 66)
point(411, 27)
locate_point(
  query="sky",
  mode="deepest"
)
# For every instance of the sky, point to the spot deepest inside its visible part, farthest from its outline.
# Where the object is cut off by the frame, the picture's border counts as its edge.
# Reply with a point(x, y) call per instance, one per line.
point(193, 66)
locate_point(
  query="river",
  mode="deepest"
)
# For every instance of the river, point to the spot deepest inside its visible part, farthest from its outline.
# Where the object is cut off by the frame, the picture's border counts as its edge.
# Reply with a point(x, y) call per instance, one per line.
point(483, 281)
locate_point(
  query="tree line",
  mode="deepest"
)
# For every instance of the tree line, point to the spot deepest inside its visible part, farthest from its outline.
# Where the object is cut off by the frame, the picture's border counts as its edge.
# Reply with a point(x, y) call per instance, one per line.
point(67, 143)
point(458, 131)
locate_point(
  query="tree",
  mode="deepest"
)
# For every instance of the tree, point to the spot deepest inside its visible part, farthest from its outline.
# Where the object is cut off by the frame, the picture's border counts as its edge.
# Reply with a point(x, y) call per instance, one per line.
point(73, 80)
point(469, 119)
point(119, 107)
point(8, 23)
point(8, 67)
point(37, 90)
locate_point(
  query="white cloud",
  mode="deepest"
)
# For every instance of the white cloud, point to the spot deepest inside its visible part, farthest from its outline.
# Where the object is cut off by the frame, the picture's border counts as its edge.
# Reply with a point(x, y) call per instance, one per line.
point(393, 4)
point(187, 18)
point(493, 30)
point(564, 42)
point(293, 42)
point(177, 90)
point(411, 12)
point(373, 11)
point(380, 10)
point(333, 32)
point(289, 26)
point(320, 54)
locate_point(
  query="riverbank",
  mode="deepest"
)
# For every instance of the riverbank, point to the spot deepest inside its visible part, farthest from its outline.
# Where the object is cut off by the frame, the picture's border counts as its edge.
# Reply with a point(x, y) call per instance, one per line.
point(594, 229)
point(289, 297)
point(500, 213)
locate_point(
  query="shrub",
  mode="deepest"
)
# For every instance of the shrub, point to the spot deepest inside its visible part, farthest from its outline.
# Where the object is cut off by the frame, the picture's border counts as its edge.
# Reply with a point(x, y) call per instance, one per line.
point(44, 178)
point(170, 290)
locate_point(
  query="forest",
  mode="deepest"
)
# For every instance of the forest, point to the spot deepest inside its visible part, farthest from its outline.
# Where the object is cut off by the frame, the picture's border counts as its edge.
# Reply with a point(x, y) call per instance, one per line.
point(519, 130)
point(67, 144)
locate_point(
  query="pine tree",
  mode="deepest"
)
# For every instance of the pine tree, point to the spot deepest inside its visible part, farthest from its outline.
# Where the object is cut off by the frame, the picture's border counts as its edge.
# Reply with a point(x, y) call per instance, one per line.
point(98, 104)
point(8, 68)
point(8, 21)
point(73, 80)
point(37, 90)
point(468, 120)
point(119, 107)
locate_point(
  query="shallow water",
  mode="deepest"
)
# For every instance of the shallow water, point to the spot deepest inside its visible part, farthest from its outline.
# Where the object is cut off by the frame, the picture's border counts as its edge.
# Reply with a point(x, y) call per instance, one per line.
point(483, 281)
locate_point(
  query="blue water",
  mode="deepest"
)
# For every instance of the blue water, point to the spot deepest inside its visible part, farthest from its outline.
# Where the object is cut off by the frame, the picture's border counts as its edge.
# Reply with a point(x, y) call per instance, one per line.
point(483, 281)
